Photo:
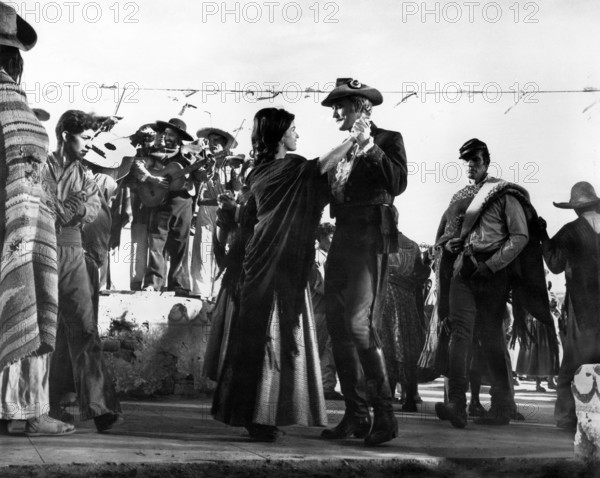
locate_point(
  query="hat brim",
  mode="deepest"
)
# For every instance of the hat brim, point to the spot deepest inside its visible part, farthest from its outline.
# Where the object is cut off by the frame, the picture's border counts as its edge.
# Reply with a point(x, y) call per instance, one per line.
point(204, 132)
point(184, 135)
point(40, 114)
point(344, 91)
point(148, 125)
point(26, 35)
point(576, 205)
point(236, 159)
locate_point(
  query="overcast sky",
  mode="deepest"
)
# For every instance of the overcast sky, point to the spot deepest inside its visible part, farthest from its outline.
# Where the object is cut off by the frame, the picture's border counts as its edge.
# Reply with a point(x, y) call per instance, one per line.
point(546, 142)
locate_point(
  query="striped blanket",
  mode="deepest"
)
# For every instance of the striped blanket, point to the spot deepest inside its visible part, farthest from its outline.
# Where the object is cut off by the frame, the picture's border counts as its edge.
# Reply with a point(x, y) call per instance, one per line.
point(28, 269)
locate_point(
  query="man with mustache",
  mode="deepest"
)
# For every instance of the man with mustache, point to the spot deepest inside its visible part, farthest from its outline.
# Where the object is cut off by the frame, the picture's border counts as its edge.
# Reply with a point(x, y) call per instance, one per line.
point(170, 222)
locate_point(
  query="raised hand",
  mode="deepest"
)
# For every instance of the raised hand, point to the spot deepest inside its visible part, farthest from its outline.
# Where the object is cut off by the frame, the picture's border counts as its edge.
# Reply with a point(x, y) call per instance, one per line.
point(361, 130)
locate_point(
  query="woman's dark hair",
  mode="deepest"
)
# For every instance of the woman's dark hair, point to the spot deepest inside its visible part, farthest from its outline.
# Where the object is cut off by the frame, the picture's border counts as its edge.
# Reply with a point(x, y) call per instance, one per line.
point(12, 62)
point(270, 124)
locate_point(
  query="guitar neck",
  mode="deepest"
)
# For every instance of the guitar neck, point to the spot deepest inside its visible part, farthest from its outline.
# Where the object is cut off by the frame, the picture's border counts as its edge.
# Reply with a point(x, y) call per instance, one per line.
point(198, 164)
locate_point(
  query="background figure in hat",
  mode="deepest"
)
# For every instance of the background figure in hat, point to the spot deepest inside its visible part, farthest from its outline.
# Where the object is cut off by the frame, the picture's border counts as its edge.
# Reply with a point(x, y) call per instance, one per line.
point(170, 222)
point(222, 178)
point(143, 140)
point(325, 233)
point(363, 188)
point(104, 232)
point(96, 234)
point(28, 277)
point(575, 250)
point(77, 362)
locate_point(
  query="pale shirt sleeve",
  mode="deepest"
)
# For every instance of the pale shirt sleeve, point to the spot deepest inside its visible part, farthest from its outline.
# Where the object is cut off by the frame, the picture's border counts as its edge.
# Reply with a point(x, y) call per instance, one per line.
point(518, 235)
point(92, 204)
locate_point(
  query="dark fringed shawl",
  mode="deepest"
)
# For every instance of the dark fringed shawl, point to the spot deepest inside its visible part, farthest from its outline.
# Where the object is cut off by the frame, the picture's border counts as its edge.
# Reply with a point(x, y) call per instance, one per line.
point(290, 194)
point(28, 270)
point(526, 272)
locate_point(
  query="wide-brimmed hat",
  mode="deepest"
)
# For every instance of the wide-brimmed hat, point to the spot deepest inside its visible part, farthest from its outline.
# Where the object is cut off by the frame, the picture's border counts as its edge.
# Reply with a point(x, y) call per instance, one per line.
point(41, 114)
point(147, 125)
point(204, 132)
point(176, 125)
point(351, 87)
point(471, 147)
point(236, 159)
point(14, 31)
point(582, 195)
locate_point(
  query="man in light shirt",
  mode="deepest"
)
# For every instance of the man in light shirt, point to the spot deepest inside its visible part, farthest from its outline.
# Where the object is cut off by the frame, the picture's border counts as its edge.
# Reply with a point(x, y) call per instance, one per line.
point(484, 231)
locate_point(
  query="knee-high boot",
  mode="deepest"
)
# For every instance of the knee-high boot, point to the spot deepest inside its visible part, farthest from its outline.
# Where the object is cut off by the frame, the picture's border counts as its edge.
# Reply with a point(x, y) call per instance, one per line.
point(356, 420)
point(385, 425)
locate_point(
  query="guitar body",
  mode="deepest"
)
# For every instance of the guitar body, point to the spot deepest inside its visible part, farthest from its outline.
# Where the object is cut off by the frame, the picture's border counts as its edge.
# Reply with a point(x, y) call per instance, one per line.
point(153, 195)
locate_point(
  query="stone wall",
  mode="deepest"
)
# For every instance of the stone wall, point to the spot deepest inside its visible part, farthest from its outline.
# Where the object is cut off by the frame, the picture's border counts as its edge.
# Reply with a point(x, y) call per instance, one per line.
point(155, 342)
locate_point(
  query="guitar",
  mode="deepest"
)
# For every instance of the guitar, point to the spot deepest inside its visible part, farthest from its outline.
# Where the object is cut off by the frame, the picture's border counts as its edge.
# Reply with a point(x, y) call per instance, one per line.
point(153, 195)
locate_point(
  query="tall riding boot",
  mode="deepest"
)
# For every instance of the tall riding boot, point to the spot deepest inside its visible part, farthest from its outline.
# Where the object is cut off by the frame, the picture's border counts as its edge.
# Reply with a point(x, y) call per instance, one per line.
point(356, 420)
point(385, 425)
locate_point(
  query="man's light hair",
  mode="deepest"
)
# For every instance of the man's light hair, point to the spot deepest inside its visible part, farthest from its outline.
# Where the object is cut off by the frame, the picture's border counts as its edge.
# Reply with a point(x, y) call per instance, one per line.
point(361, 104)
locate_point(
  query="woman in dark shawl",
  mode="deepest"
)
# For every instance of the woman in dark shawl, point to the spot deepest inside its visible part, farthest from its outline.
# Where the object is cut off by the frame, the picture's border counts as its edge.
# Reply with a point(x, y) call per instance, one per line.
point(270, 373)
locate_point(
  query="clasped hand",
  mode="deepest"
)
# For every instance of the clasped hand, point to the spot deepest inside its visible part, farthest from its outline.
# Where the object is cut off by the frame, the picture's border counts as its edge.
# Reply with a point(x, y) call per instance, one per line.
point(361, 130)
point(75, 202)
point(454, 245)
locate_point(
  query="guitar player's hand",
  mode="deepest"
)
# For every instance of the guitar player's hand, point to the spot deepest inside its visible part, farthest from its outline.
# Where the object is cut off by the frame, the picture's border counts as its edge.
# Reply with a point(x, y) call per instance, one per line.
point(160, 182)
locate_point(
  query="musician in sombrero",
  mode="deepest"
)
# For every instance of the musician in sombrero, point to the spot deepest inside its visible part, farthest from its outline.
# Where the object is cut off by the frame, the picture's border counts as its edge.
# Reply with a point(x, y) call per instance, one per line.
point(170, 220)
point(143, 140)
point(223, 177)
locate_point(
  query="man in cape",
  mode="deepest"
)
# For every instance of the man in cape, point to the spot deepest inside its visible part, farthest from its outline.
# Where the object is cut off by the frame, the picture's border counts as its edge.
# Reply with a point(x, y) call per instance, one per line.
point(488, 248)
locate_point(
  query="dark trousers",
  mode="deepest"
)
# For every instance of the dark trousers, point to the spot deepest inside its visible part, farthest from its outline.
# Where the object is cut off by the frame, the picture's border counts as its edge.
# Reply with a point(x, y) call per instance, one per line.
point(328, 372)
point(169, 233)
point(580, 346)
point(77, 359)
point(354, 291)
point(139, 241)
point(481, 302)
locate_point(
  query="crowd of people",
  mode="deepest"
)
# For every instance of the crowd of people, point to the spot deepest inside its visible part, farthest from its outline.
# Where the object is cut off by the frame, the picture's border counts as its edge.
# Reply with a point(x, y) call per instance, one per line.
point(298, 303)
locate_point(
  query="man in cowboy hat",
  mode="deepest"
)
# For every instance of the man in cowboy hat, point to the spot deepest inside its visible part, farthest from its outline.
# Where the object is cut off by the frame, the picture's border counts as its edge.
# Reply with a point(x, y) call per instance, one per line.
point(170, 222)
point(576, 248)
point(483, 234)
point(28, 273)
point(224, 177)
point(363, 188)
point(77, 201)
